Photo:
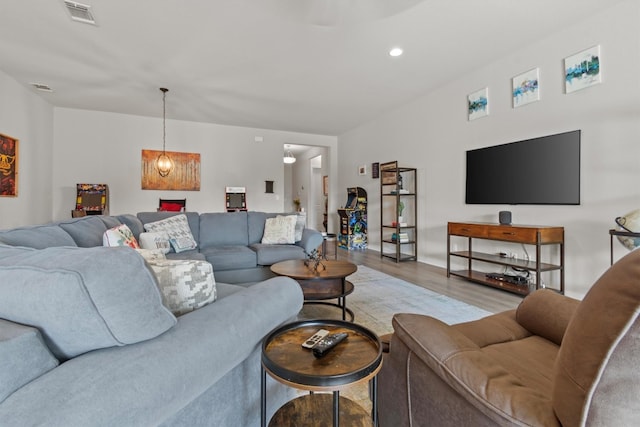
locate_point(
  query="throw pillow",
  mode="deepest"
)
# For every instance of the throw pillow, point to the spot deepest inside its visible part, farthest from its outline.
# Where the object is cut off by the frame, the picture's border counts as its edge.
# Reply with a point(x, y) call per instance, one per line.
point(149, 240)
point(185, 285)
point(171, 207)
point(119, 236)
point(280, 230)
point(83, 299)
point(178, 230)
point(151, 255)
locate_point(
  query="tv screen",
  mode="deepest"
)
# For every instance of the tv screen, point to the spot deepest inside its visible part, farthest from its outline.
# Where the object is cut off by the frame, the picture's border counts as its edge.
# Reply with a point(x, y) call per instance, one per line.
point(539, 171)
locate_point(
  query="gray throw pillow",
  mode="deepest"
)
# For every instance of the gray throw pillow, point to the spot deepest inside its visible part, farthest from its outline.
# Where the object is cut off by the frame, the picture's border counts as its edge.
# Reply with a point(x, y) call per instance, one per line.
point(83, 299)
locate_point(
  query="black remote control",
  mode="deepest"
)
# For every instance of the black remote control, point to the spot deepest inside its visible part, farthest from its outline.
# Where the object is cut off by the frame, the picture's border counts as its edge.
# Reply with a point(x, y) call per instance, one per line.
point(328, 343)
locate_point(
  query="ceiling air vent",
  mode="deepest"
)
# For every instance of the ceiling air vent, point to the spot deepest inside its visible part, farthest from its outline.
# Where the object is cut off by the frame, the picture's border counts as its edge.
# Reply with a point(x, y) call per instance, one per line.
point(42, 87)
point(80, 12)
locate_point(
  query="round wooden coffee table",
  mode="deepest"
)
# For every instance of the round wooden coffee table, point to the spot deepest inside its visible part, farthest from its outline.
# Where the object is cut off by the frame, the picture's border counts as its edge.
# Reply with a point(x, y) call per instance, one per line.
point(323, 284)
point(356, 359)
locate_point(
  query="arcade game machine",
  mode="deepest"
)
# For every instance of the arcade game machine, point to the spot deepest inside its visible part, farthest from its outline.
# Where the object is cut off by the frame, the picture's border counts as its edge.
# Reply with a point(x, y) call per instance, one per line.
point(353, 220)
point(236, 199)
point(91, 199)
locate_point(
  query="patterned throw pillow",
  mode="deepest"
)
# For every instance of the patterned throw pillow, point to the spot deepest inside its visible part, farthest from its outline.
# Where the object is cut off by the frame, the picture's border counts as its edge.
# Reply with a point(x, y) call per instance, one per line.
point(280, 230)
point(185, 285)
point(177, 228)
point(149, 240)
point(120, 236)
point(152, 255)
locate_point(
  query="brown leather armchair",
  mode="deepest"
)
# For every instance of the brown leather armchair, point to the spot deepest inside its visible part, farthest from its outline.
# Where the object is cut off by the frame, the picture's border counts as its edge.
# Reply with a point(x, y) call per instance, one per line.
point(554, 361)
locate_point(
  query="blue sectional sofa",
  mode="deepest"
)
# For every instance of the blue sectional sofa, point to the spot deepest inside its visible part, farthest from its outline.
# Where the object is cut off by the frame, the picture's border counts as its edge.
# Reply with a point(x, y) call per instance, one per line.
point(86, 341)
point(230, 241)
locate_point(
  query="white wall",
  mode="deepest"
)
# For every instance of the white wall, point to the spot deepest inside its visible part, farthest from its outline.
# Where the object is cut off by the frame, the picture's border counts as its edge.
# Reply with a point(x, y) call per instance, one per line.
point(28, 118)
point(98, 147)
point(432, 134)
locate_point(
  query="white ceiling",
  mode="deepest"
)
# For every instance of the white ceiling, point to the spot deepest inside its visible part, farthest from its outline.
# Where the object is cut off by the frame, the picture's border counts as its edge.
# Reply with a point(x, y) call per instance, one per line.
point(315, 66)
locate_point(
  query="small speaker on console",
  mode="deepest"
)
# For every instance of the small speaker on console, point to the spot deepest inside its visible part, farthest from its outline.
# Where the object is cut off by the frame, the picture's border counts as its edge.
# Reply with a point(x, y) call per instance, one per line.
point(504, 217)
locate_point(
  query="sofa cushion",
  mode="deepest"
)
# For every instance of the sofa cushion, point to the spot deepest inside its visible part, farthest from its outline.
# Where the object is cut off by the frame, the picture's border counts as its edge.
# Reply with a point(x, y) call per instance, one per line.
point(178, 230)
point(83, 299)
point(604, 326)
point(38, 236)
point(280, 230)
point(120, 235)
point(230, 257)
point(223, 229)
point(86, 231)
point(271, 254)
point(24, 356)
point(109, 221)
point(185, 285)
point(255, 222)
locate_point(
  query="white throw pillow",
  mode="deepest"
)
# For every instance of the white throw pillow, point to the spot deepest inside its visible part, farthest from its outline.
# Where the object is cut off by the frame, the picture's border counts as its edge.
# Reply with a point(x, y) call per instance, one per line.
point(152, 255)
point(185, 285)
point(119, 236)
point(177, 228)
point(155, 240)
point(280, 230)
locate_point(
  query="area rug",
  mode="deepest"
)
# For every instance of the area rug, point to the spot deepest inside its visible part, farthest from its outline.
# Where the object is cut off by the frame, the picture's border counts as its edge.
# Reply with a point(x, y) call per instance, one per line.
point(378, 296)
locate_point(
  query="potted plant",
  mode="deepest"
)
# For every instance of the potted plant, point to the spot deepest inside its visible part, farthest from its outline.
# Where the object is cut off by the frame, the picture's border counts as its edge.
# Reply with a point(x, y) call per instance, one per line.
point(400, 210)
point(296, 202)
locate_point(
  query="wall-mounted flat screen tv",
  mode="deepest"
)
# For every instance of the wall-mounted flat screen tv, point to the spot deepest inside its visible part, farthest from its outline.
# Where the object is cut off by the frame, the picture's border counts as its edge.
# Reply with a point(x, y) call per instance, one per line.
point(538, 171)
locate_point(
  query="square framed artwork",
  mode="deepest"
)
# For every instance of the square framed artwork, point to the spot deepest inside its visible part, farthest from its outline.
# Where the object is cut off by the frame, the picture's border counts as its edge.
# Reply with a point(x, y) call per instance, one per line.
point(362, 170)
point(525, 88)
point(478, 104)
point(8, 166)
point(582, 70)
point(184, 176)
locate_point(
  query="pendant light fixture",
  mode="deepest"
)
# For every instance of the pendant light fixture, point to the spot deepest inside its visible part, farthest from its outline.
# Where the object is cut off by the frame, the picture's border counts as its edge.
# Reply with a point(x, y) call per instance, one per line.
point(164, 164)
point(288, 155)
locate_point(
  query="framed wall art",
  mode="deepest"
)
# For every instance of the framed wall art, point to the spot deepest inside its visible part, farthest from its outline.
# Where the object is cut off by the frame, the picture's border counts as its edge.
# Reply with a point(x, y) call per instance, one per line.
point(478, 104)
point(375, 170)
point(525, 88)
point(8, 166)
point(185, 175)
point(582, 70)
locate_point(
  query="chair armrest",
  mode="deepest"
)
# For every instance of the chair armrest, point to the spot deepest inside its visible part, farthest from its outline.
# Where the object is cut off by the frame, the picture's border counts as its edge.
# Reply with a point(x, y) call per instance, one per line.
point(546, 313)
point(311, 239)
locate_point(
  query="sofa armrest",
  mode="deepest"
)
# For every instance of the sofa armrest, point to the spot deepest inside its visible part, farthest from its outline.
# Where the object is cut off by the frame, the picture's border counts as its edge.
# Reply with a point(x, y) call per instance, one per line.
point(546, 313)
point(311, 239)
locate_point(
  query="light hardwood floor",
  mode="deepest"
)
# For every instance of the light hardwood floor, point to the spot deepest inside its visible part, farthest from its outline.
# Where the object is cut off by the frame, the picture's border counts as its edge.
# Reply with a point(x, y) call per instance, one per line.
point(435, 279)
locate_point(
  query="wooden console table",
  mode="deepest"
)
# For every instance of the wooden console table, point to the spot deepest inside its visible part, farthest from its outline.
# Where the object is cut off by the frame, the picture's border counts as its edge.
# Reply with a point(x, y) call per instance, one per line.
point(524, 234)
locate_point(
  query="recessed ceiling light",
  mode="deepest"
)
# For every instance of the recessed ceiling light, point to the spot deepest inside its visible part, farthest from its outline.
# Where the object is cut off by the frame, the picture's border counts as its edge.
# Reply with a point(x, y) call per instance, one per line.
point(396, 51)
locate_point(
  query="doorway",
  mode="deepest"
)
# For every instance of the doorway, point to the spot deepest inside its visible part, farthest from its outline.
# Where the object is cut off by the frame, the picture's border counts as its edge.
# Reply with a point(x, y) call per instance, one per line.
point(316, 195)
